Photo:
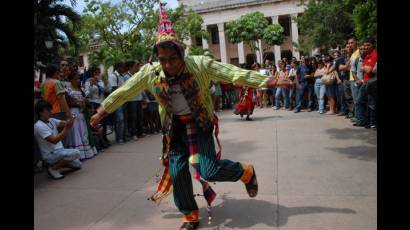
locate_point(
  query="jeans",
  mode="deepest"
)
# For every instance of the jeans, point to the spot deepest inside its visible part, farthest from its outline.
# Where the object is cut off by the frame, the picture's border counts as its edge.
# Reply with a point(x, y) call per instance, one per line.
point(135, 118)
point(320, 91)
point(119, 124)
point(361, 105)
point(340, 97)
point(372, 109)
point(72, 155)
point(299, 95)
point(285, 94)
point(355, 93)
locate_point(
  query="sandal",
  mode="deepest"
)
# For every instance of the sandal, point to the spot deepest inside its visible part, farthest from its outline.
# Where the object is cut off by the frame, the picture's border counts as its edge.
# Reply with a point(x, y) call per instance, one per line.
point(189, 225)
point(252, 185)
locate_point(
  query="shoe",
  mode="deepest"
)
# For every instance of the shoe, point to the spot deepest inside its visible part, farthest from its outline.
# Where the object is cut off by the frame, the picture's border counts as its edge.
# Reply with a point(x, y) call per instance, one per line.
point(354, 120)
point(56, 175)
point(121, 142)
point(349, 115)
point(309, 110)
point(359, 124)
point(341, 114)
point(330, 113)
point(290, 109)
point(248, 119)
point(135, 138)
point(189, 225)
point(373, 126)
point(252, 185)
point(297, 111)
point(276, 108)
point(320, 112)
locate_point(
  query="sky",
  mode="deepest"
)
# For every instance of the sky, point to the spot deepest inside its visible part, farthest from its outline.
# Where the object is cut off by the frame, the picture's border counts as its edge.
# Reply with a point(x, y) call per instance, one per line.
point(81, 4)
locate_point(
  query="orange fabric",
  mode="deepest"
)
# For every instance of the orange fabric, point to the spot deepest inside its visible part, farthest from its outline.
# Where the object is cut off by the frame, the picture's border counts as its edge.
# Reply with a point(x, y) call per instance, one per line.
point(191, 217)
point(247, 174)
point(50, 90)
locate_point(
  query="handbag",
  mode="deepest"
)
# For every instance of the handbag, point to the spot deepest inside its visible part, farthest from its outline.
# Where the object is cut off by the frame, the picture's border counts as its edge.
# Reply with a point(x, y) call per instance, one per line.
point(284, 83)
point(329, 79)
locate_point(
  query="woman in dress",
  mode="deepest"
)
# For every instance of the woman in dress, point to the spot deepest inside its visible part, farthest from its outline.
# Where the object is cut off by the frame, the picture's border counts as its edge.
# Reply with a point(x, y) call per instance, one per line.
point(77, 137)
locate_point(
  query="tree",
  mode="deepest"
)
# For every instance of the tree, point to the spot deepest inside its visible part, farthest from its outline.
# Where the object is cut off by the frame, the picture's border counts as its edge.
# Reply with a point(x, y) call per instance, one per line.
point(249, 28)
point(127, 30)
point(51, 23)
point(365, 19)
point(197, 50)
point(327, 23)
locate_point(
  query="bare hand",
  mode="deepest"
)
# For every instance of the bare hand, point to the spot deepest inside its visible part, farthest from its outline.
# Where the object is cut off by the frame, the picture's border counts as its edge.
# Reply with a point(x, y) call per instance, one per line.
point(358, 82)
point(338, 81)
point(95, 120)
point(69, 123)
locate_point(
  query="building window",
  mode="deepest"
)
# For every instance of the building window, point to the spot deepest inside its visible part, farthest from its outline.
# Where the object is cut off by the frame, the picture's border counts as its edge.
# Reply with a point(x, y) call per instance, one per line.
point(285, 23)
point(215, 35)
point(198, 41)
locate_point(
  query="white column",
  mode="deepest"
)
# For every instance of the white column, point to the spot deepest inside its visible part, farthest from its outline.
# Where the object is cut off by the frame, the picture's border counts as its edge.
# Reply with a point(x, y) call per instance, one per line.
point(276, 49)
point(241, 53)
point(258, 53)
point(188, 43)
point(222, 43)
point(295, 36)
point(204, 41)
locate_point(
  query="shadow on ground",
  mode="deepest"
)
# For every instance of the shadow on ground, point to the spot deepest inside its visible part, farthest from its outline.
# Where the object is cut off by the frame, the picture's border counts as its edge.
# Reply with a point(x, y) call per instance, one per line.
point(359, 152)
point(368, 135)
point(245, 213)
point(364, 153)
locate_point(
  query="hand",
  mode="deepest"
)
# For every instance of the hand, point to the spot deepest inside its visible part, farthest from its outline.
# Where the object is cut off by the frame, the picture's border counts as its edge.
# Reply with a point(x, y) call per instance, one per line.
point(338, 81)
point(358, 82)
point(95, 120)
point(69, 123)
point(367, 69)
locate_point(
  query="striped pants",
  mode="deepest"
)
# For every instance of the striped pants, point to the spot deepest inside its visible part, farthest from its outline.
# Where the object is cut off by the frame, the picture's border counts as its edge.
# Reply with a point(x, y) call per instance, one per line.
point(211, 169)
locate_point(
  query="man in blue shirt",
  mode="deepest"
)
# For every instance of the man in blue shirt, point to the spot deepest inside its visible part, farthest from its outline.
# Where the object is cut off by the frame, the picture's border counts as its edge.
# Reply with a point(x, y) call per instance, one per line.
point(303, 74)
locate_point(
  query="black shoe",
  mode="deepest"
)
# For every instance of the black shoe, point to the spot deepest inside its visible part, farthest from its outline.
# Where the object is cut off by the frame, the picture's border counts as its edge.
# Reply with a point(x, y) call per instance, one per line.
point(359, 124)
point(189, 225)
point(296, 111)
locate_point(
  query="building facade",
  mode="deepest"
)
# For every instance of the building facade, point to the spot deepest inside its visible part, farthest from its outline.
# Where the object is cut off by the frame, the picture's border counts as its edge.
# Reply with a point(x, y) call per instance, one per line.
point(216, 14)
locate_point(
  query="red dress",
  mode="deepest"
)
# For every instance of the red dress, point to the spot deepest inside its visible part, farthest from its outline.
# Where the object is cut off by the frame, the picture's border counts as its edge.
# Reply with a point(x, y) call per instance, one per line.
point(246, 103)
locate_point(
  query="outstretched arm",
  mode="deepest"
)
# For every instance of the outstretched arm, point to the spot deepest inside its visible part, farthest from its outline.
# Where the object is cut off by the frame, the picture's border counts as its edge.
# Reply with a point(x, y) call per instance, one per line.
point(229, 73)
point(135, 85)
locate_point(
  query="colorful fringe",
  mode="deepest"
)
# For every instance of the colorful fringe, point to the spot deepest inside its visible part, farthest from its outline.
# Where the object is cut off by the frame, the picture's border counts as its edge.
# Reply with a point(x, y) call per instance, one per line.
point(165, 185)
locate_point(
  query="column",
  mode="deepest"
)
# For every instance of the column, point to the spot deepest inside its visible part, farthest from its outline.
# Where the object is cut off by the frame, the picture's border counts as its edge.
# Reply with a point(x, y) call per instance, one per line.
point(241, 53)
point(276, 49)
point(258, 53)
point(188, 43)
point(222, 42)
point(295, 36)
point(204, 41)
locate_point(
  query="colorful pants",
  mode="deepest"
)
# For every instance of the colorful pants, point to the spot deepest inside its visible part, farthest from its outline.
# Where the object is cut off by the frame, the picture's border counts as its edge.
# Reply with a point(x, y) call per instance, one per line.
point(211, 169)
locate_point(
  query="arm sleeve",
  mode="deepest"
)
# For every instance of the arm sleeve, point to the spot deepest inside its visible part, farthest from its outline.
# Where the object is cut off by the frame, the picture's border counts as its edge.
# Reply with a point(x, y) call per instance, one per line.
point(135, 85)
point(229, 73)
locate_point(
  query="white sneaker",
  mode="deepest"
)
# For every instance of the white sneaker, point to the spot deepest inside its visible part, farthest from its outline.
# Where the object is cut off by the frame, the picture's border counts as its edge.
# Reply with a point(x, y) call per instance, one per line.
point(54, 173)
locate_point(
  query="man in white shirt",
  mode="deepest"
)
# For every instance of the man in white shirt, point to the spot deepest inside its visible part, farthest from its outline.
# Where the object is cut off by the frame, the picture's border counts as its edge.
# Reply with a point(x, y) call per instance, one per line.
point(115, 80)
point(49, 141)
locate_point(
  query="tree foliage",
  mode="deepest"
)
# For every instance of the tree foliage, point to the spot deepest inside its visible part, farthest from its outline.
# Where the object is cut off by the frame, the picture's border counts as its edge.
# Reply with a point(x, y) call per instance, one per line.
point(52, 21)
point(249, 28)
point(326, 24)
point(127, 30)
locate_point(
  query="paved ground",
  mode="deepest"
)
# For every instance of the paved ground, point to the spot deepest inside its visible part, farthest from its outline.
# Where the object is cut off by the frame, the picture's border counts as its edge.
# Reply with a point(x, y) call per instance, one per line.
point(315, 172)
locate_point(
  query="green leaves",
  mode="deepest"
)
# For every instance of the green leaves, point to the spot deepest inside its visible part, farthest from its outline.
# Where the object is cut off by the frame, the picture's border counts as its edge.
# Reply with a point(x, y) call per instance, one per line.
point(273, 34)
point(327, 23)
